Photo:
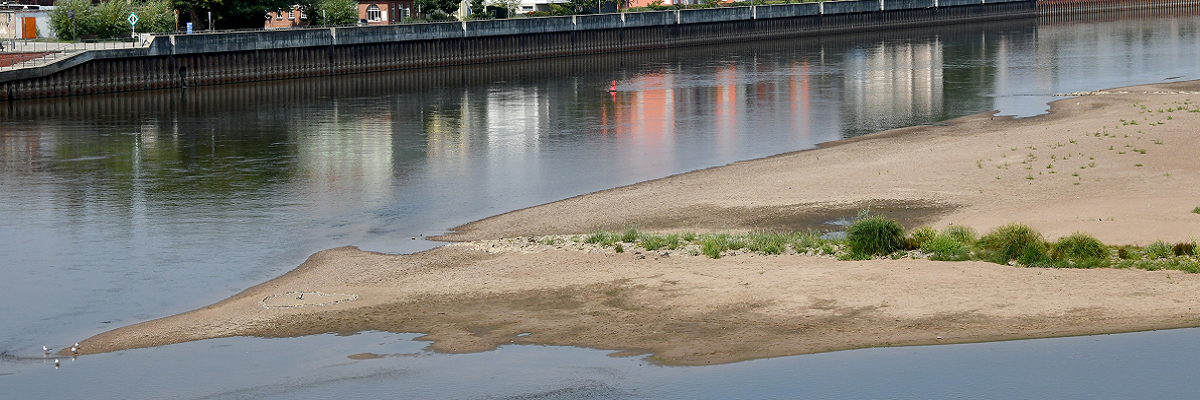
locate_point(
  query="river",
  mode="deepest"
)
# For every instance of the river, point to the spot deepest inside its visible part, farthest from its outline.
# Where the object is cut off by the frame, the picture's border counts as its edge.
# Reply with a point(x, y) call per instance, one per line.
point(117, 209)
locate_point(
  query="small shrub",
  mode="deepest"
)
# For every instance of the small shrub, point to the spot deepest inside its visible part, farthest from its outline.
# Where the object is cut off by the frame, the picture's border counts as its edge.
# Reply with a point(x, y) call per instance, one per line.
point(1184, 249)
point(946, 248)
point(1196, 210)
point(1013, 242)
point(963, 234)
point(653, 242)
point(804, 241)
point(619, 248)
point(1158, 250)
point(1035, 255)
point(873, 236)
point(631, 235)
point(921, 235)
point(711, 247)
point(689, 237)
point(597, 237)
point(1079, 246)
point(768, 242)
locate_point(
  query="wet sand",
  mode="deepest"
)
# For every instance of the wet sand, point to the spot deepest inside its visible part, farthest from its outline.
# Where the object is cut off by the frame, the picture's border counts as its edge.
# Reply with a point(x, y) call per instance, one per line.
point(1083, 167)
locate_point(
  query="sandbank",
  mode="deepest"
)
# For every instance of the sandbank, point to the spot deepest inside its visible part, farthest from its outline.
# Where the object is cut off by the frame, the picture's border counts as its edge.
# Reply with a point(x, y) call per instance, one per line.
point(1085, 166)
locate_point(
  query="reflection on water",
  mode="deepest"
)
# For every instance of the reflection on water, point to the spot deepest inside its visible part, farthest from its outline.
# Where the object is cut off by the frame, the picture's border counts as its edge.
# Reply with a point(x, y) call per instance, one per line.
point(121, 208)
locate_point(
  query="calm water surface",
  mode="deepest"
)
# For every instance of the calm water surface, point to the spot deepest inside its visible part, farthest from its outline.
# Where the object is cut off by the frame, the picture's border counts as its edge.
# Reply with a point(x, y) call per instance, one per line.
point(124, 208)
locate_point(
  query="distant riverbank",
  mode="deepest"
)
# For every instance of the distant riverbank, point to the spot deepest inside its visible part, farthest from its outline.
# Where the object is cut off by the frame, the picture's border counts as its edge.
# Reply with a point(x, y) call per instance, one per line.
point(1115, 164)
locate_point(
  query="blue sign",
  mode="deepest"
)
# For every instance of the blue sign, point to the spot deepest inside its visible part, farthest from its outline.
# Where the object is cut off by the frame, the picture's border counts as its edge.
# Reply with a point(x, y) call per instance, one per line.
point(189, 28)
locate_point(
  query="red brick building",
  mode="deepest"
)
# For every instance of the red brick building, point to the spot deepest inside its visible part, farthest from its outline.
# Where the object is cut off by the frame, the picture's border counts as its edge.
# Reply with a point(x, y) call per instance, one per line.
point(384, 12)
point(287, 18)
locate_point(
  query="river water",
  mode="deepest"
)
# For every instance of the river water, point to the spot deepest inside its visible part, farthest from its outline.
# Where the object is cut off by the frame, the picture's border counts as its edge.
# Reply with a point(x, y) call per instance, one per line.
point(118, 209)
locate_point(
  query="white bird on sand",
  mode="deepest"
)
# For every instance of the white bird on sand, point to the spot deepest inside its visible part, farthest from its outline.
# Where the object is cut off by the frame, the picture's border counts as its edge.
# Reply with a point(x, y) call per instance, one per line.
point(77, 345)
point(74, 350)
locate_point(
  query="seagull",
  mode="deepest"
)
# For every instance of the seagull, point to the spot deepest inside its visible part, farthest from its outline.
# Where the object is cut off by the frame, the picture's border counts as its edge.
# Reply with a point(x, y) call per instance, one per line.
point(56, 363)
point(46, 349)
point(74, 350)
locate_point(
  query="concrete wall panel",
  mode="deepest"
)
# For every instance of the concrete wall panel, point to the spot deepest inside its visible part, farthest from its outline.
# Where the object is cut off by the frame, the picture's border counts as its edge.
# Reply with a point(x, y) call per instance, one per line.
point(788, 10)
point(721, 14)
point(955, 3)
point(402, 32)
point(847, 7)
point(653, 18)
point(889, 5)
point(601, 21)
point(243, 41)
point(519, 26)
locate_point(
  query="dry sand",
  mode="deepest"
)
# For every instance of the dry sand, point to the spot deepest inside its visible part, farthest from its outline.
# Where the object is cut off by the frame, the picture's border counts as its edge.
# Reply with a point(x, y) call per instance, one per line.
point(1079, 168)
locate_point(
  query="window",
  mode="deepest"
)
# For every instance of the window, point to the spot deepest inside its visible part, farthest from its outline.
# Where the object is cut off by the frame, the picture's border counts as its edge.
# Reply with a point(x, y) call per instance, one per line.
point(279, 15)
point(303, 14)
point(292, 14)
point(373, 13)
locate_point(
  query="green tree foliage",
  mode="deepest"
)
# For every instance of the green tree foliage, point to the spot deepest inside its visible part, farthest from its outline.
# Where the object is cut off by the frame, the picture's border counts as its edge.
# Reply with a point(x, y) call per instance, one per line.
point(445, 6)
point(333, 12)
point(109, 19)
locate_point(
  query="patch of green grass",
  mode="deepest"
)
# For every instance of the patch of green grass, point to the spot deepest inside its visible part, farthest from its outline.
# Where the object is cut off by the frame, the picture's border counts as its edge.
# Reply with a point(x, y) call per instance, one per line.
point(945, 247)
point(600, 238)
point(1158, 250)
point(713, 244)
point(1081, 250)
point(874, 236)
point(963, 234)
point(630, 235)
point(768, 242)
point(1196, 210)
point(921, 235)
point(1014, 242)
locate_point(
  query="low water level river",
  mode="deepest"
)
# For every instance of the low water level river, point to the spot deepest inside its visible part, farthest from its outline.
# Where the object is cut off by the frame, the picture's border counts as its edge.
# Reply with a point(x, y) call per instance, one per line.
point(122, 208)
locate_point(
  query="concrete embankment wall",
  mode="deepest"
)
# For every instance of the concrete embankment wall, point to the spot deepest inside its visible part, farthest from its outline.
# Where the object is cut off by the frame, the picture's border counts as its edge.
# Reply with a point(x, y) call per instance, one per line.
point(210, 59)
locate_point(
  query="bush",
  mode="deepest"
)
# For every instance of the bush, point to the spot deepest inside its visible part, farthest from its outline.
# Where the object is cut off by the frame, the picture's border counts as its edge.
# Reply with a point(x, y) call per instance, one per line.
point(768, 242)
point(1014, 242)
point(872, 236)
point(1159, 249)
point(921, 235)
point(963, 234)
point(1184, 249)
point(1079, 246)
point(945, 247)
point(631, 235)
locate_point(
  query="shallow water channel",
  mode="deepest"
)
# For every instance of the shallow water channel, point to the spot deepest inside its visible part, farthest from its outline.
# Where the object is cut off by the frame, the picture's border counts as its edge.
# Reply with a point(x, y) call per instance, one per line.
point(118, 209)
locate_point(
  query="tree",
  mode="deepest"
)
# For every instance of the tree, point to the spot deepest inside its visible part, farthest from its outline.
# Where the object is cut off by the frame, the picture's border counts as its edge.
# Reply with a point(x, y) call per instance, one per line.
point(513, 6)
point(333, 12)
point(445, 6)
point(110, 19)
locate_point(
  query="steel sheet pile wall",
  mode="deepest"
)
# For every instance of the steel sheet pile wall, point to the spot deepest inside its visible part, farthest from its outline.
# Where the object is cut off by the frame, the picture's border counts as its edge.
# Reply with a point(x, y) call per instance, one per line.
point(209, 59)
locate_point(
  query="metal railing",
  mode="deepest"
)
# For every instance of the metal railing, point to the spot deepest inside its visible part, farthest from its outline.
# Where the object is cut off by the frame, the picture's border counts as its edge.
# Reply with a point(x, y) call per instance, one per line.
point(53, 51)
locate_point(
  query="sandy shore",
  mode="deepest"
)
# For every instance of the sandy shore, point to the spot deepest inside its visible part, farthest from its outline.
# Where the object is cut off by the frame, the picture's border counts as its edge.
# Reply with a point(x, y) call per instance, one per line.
point(1083, 167)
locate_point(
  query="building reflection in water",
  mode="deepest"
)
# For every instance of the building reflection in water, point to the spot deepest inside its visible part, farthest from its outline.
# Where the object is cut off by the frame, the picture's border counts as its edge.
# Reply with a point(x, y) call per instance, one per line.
point(891, 83)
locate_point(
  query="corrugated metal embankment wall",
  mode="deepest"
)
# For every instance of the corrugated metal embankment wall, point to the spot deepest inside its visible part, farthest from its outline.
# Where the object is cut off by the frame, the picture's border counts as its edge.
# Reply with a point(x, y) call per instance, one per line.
point(219, 58)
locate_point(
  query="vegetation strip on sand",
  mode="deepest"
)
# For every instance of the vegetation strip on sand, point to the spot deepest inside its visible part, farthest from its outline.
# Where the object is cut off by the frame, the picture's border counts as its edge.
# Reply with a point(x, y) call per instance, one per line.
point(1105, 180)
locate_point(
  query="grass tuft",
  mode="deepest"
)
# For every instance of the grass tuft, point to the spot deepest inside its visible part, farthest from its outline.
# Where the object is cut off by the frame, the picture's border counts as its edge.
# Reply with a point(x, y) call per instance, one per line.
point(1158, 250)
point(921, 235)
point(874, 236)
point(1081, 248)
point(1014, 242)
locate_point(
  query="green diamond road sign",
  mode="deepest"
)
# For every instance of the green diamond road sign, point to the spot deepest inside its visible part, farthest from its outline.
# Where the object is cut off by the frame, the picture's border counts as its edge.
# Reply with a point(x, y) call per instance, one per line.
point(133, 19)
